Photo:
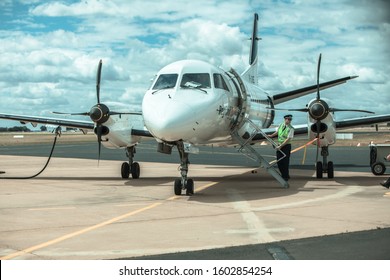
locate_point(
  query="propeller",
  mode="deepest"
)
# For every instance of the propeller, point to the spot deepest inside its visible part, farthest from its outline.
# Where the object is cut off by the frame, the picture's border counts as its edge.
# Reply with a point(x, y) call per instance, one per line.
point(318, 108)
point(99, 113)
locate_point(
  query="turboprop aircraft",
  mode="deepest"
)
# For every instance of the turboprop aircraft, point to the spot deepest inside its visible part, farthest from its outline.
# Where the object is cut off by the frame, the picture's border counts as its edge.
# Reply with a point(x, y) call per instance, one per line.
point(192, 103)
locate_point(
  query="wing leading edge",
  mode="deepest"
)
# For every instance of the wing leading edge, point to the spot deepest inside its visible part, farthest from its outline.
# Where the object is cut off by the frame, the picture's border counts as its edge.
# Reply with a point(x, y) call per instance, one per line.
point(353, 122)
point(45, 120)
point(362, 121)
point(84, 125)
point(289, 95)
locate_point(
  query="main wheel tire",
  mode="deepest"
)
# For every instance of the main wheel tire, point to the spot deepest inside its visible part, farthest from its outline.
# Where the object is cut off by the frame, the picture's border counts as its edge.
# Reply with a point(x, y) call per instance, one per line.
point(378, 168)
point(125, 170)
point(135, 170)
point(190, 187)
point(177, 187)
point(330, 170)
point(319, 169)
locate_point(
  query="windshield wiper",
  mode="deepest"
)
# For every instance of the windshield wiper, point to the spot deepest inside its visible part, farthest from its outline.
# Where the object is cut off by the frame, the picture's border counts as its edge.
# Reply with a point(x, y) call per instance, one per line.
point(166, 87)
point(193, 85)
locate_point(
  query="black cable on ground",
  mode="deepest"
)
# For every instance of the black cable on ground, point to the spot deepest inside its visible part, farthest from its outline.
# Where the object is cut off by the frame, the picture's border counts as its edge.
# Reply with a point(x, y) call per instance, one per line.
point(57, 132)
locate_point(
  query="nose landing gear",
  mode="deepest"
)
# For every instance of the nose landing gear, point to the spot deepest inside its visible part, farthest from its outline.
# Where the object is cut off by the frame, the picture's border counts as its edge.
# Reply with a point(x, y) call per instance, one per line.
point(183, 183)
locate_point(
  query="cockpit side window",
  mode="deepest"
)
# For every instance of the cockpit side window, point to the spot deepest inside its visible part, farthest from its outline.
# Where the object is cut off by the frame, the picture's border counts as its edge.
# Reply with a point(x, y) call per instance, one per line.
point(197, 80)
point(166, 81)
point(219, 82)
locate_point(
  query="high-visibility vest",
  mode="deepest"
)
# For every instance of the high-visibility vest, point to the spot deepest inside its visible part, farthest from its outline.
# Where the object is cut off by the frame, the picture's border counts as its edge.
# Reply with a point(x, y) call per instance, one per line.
point(283, 132)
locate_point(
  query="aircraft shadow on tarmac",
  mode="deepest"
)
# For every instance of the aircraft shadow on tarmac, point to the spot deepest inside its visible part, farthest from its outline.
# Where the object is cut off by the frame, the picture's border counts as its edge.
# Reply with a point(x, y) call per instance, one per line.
point(255, 185)
point(255, 188)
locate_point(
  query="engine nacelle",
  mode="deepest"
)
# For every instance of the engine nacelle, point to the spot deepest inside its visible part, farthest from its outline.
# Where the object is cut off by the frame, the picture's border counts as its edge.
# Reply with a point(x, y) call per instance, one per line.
point(321, 128)
point(105, 130)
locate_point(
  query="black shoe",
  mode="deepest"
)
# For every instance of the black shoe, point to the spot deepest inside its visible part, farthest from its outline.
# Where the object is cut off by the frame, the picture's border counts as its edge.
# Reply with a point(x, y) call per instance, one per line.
point(385, 185)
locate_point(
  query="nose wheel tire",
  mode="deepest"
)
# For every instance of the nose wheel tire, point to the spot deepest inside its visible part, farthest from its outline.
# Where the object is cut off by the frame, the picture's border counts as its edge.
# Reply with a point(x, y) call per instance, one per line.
point(189, 187)
point(177, 187)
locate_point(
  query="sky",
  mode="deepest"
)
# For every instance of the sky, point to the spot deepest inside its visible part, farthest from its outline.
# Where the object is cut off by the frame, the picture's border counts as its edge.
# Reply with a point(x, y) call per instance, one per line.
point(49, 50)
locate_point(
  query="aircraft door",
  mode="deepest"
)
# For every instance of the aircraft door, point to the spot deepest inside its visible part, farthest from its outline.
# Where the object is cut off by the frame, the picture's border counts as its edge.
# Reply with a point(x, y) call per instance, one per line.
point(241, 108)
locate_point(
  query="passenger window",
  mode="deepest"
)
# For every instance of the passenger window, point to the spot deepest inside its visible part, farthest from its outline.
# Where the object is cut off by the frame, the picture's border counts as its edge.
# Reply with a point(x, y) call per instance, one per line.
point(166, 81)
point(198, 80)
point(219, 82)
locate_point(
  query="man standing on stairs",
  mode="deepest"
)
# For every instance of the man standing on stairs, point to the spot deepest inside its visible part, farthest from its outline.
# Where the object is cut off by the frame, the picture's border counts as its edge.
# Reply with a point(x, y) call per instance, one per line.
point(285, 133)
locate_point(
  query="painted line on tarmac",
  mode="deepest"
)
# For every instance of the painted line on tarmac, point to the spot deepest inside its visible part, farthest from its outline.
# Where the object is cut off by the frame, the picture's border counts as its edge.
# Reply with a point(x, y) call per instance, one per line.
point(51, 208)
point(77, 233)
point(94, 227)
point(350, 190)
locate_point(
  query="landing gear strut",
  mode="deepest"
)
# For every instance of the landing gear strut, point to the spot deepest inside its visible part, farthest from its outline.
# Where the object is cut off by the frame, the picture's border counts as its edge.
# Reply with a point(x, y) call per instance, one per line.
point(324, 166)
point(130, 167)
point(183, 183)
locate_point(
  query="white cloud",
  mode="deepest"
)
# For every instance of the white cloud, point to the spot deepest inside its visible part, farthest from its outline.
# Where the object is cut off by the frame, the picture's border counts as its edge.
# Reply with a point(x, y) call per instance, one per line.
point(55, 48)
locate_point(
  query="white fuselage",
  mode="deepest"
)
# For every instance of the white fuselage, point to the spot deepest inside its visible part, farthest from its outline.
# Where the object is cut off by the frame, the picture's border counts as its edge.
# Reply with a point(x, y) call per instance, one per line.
point(195, 102)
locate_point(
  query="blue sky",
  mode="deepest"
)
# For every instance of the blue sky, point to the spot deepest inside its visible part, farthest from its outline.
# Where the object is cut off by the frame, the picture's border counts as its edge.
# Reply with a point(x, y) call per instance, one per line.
point(49, 50)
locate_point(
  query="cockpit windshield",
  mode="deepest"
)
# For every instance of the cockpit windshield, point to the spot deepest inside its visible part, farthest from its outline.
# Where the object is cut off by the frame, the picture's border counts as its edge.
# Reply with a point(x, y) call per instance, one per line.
point(195, 80)
point(165, 81)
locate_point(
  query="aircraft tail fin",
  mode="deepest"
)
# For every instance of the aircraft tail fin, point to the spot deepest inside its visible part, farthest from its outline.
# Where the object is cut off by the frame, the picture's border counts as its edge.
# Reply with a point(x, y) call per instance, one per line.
point(251, 73)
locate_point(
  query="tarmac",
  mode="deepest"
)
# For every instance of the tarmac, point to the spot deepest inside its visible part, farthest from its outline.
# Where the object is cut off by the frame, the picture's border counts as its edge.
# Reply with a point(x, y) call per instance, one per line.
point(81, 209)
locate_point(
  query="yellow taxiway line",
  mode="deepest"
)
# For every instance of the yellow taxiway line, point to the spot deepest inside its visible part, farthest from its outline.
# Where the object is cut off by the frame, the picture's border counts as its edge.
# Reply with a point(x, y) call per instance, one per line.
point(94, 227)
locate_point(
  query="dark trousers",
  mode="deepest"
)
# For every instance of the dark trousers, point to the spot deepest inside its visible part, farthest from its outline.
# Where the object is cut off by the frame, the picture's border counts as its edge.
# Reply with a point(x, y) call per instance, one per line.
point(284, 164)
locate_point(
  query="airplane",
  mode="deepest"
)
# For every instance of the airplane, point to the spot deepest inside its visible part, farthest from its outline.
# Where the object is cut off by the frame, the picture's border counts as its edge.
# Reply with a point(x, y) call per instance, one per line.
point(192, 103)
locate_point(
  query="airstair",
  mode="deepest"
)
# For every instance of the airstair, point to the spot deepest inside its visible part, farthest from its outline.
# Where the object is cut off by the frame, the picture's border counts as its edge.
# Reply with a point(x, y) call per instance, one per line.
point(242, 121)
point(247, 149)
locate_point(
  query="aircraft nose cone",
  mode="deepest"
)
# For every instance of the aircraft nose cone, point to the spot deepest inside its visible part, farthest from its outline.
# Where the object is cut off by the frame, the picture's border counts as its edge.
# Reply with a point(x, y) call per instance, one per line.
point(167, 120)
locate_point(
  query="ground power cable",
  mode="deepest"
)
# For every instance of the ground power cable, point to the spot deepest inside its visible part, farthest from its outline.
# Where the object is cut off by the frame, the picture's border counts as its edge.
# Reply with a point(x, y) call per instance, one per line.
point(57, 134)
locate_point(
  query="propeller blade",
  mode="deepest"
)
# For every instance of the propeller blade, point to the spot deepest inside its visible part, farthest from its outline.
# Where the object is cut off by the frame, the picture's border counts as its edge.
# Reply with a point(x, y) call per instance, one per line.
point(71, 114)
point(350, 110)
point(282, 109)
point(126, 113)
point(98, 76)
point(318, 77)
point(318, 124)
point(99, 137)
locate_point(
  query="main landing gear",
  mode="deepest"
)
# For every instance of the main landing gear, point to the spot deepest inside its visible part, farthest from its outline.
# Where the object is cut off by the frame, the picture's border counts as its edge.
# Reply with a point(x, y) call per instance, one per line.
point(131, 166)
point(324, 166)
point(183, 183)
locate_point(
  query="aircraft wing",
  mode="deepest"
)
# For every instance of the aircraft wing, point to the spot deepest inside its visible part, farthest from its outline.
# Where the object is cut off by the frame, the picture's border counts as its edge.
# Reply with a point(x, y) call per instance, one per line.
point(286, 96)
point(303, 128)
point(45, 120)
point(362, 121)
point(86, 125)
